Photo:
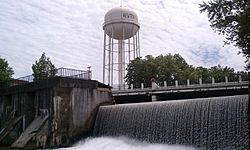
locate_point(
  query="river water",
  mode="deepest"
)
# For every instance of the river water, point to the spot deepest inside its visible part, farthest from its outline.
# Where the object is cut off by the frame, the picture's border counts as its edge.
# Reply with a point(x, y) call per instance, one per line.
point(121, 143)
point(117, 143)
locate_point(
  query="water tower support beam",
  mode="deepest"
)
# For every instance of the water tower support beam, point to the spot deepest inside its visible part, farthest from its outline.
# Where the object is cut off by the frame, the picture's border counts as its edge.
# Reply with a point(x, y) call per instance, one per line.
point(109, 59)
point(134, 46)
point(128, 50)
point(112, 58)
point(123, 59)
point(139, 49)
point(104, 63)
point(119, 62)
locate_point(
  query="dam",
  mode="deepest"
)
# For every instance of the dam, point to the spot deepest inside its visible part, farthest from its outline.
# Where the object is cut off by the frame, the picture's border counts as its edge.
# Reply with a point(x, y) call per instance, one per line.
point(209, 123)
point(59, 111)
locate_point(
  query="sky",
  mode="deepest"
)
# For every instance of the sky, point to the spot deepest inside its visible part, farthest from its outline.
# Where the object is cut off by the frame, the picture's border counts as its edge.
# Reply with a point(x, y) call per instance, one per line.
point(70, 33)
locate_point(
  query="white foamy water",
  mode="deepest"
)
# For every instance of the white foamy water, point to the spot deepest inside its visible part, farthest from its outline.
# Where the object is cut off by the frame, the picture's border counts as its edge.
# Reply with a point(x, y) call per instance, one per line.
point(121, 143)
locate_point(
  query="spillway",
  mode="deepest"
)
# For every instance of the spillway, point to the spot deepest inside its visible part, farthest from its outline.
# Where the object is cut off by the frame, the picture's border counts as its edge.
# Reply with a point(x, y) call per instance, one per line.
point(208, 123)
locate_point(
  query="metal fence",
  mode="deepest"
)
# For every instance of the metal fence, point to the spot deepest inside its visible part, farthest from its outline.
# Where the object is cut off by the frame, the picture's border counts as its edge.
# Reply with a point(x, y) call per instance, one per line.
point(62, 72)
point(174, 83)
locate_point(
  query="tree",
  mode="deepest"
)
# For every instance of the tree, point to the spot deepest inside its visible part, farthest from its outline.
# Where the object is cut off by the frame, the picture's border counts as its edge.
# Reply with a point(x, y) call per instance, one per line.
point(219, 73)
point(173, 67)
point(135, 72)
point(6, 73)
point(204, 74)
point(162, 68)
point(231, 18)
point(43, 68)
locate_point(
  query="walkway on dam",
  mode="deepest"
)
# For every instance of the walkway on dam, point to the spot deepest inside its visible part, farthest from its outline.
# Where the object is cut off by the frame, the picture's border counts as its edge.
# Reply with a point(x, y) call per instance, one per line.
point(179, 92)
point(182, 88)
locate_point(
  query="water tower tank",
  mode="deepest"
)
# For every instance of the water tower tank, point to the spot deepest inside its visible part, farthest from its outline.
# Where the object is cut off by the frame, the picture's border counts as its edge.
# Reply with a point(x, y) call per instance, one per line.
point(121, 44)
point(121, 23)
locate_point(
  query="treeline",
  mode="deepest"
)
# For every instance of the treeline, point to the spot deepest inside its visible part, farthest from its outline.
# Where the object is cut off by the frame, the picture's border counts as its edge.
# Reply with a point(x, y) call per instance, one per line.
point(174, 67)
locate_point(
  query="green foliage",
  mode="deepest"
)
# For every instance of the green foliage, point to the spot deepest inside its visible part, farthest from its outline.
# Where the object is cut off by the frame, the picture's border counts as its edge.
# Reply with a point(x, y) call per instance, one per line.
point(43, 68)
point(6, 73)
point(231, 18)
point(173, 67)
point(245, 76)
point(162, 68)
point(219, 73)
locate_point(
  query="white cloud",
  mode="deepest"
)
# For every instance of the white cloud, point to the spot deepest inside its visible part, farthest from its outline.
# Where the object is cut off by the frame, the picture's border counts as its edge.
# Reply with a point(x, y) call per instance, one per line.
point(70, 32)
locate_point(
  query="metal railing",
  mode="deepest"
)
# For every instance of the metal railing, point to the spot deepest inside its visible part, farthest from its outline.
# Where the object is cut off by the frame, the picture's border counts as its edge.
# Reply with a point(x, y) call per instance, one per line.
point(212, 81)
point(62, 72)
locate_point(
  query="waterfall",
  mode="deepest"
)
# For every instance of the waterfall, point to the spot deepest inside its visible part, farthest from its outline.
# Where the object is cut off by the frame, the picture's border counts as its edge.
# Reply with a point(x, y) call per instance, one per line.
point(209, 123)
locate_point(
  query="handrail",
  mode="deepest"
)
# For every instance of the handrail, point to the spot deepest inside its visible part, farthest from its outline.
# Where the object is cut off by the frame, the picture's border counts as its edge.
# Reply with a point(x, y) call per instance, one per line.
point(63, 72)
point(220, 84)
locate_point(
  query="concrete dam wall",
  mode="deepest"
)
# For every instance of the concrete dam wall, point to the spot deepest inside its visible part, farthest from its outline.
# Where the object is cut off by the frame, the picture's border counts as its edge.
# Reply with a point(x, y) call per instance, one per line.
point(209, 123)
point(50, 113)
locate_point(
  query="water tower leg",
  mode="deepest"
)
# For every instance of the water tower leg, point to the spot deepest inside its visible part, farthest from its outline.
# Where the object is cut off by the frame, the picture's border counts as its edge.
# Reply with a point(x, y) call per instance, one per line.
point(128, 50)
point(123, 59)
point(109, 59)
point(112, 59)
point(121, 63)
point(104, 49)
point(139, 44)
point(134, 46)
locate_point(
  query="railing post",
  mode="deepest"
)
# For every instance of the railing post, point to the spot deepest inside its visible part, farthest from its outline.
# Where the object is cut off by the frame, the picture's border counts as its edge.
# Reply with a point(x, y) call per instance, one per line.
point(240, 80)
point(188, 82)
point(142, 86)
point(176, 82)
point(153, 86)
point(154, 98)
point(200, 81)
point(132, 86)
point(165, 83)
point(213, 81)
point(226, 79)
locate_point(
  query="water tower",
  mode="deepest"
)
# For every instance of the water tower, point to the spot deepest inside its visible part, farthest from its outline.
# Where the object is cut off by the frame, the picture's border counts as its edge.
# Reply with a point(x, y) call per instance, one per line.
point(121, 44)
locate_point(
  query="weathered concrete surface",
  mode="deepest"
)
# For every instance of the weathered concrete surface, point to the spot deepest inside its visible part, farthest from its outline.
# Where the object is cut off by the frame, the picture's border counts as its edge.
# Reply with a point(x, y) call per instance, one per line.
point(71, 106)
point(74, 111)
point(20, 103)
point(9, 126)
point(82, 104)
point(29, 132)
